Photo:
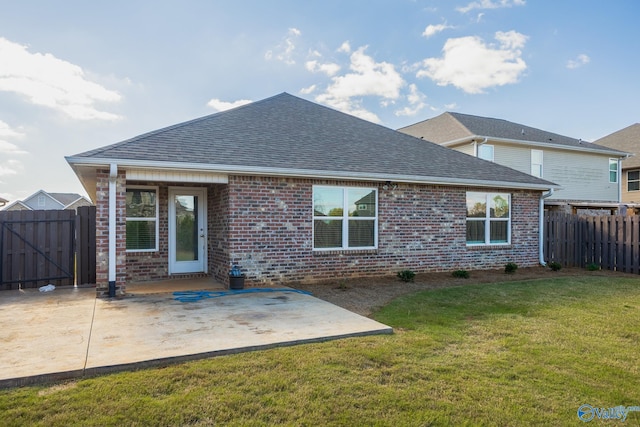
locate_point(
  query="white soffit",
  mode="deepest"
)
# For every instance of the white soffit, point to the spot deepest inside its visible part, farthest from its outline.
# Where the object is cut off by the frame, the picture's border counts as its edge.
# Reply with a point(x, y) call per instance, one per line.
point(176, 176)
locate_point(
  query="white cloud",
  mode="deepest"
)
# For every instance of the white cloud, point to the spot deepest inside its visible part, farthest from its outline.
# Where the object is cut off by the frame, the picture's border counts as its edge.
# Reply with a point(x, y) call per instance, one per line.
point(330, 69)
point(7, 147)
point(451, 106)
point(432, 30)
point(7, 132)
point(580, 60)
point(490, 4)
point(308, 90)
point(284, 51)
point(367, 78)
point(416, 102)
point(470, 64)
point(345, 47)
point(51, 82)
point(220, 105)
point(10, 167)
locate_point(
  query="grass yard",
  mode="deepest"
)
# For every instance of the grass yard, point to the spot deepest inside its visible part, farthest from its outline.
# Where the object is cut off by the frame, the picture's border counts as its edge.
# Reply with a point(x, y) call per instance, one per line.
point(516, 353)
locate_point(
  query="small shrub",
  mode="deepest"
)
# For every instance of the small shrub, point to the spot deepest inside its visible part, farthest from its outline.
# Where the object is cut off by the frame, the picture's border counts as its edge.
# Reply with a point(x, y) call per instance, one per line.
point(463, 274)
point(510, 268)
point(406, 275)
point(555, 266)
point(593, 267)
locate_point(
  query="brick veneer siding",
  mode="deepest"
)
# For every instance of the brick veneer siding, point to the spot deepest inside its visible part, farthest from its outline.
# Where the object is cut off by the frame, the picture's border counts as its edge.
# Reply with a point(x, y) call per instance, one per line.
point(421, 227)
point(218, 217)
point(265, 226)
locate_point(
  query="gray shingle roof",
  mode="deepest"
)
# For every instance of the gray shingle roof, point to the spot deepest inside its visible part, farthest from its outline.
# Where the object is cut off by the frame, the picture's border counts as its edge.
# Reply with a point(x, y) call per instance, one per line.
point(285, 132)
point(452, 126)
point(65, 198)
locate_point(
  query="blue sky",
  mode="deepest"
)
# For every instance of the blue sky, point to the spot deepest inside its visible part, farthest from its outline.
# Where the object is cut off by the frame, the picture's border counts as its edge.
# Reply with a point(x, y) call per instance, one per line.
point(75, 75)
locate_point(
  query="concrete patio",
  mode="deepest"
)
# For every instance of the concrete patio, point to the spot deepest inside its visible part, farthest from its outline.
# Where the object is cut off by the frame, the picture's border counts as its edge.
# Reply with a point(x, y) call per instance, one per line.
point(69, 333)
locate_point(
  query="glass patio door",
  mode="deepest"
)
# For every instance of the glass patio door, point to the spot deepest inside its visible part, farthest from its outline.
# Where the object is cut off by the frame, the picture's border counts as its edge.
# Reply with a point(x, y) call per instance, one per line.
point(187, 230)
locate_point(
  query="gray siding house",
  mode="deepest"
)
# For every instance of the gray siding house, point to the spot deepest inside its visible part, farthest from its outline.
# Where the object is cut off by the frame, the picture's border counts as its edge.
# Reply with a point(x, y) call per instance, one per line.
point(42, 200)
point(588, 174)
point(289, 190)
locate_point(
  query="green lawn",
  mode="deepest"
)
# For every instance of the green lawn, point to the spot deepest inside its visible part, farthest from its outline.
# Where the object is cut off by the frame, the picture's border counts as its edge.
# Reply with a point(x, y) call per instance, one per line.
point(515, 353)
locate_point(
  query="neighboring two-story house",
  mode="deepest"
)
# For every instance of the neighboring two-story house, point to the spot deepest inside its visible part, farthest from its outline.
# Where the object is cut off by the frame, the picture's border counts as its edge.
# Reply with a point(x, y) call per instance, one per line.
point(627, 139)
point(41, 200)
point(589, 174)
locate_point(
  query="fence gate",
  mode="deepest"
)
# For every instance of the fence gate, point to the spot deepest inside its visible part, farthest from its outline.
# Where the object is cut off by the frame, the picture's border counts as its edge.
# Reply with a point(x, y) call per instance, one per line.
point(41, 247)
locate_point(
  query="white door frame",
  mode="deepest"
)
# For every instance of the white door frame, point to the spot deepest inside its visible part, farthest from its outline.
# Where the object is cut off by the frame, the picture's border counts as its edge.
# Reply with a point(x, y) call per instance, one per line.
point(201, 265)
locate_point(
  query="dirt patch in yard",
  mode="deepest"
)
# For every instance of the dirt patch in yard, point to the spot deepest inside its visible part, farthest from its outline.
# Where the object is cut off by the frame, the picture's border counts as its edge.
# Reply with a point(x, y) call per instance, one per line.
point(365, 295)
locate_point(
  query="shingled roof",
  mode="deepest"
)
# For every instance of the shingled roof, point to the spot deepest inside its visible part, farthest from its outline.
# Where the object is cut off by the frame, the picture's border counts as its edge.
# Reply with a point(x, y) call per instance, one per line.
point(287, 136)
point(450, 127)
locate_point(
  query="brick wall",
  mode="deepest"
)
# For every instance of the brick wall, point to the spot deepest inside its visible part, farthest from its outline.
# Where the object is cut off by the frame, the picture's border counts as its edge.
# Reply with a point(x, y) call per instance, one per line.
point(265, 226)
point(422, 228)
point(218, 217)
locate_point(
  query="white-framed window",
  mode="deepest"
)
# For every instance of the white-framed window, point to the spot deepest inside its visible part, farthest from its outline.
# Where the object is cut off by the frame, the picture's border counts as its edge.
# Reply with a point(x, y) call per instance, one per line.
point(42, 201)
point(485, 152)
point(142, 219)
point(613, 170)
point(633, 180)
point(488, 218)
point(345, 218)
point(536, 163)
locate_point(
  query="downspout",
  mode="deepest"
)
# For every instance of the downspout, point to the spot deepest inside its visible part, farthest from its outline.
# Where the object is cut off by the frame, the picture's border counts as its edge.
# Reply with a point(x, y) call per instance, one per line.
point(541, 227)
point(113, 176)
point(619, 184)
point(475, 145)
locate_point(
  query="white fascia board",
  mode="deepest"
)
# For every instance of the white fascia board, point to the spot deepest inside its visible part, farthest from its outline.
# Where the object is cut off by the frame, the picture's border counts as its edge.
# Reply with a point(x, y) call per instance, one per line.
point(584, 149)
point(76, 200)
point(306, 173)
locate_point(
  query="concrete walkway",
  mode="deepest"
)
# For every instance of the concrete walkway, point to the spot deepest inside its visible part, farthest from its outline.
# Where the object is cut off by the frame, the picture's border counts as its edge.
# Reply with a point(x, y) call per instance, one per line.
point(69, 333)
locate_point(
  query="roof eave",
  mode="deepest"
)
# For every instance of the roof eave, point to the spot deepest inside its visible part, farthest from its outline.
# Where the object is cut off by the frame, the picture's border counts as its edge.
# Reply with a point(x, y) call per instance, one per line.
point(582, 149)
point(77, 162)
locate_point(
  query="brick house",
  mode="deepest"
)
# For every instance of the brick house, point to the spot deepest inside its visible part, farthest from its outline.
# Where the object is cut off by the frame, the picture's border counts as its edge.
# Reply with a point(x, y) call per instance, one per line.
point(293, 191)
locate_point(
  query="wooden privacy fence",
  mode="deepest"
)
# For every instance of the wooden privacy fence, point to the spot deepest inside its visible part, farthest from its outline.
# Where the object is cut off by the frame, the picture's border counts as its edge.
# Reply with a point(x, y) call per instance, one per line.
point(611, 242)
point(42, 247)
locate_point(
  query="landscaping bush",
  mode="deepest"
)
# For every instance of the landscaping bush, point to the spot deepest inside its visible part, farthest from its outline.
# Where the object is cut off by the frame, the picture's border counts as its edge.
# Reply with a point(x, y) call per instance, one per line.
point(406, 275)
point(463, 274)
point(593, 267)
point(555, 266)
point(510, 268)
